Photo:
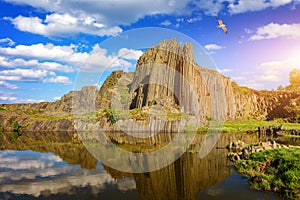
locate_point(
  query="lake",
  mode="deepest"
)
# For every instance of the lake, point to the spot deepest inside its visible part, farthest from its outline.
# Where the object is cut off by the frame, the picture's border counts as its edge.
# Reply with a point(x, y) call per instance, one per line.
point(69, 171)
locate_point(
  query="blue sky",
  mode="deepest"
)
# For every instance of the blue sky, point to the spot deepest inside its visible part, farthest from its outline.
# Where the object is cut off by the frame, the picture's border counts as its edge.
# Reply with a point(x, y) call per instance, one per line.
point(46, 46)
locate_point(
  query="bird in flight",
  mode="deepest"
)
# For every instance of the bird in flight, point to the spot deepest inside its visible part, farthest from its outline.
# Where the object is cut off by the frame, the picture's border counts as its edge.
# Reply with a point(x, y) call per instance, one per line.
point(222, 26)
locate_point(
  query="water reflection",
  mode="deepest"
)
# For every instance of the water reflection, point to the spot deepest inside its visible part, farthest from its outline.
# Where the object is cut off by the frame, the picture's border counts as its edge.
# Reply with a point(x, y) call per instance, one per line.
point(69, 171)
point(44, 174)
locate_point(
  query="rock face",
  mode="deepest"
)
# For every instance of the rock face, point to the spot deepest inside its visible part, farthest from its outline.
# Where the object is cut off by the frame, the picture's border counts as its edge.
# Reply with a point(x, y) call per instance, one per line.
point(167, 75)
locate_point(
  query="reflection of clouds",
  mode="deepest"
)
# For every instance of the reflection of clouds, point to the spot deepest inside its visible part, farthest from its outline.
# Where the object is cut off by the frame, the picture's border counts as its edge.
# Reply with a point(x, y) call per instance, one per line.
point(9, 176)
point(51, 157)
point(35, 173)
point(18, 165)
point(66, 184)
point(58, 184)
point(126, 184)
point(15, 160)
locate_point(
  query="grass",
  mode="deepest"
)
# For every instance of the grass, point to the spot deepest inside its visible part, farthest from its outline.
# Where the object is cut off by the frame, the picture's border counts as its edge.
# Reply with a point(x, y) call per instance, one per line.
point(2, 108)
point(275, 170)
point(14, 124)
point(42, 117)
point(244, 125)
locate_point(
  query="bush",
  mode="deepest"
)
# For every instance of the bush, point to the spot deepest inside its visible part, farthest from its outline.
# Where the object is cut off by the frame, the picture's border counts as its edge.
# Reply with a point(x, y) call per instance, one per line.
point(111, 116)
point(14, 124)
point(2, 108)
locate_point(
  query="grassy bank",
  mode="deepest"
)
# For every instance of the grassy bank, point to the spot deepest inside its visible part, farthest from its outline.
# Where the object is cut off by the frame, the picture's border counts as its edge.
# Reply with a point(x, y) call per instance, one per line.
point(275, 170)
point(250, 125)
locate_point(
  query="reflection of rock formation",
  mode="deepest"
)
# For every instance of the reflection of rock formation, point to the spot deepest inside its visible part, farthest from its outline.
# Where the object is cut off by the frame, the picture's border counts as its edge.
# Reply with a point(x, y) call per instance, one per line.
point(187, 175)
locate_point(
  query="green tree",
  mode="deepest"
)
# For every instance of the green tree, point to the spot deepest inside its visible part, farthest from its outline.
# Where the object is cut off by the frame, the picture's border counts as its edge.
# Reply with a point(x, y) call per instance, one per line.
point(295, 79)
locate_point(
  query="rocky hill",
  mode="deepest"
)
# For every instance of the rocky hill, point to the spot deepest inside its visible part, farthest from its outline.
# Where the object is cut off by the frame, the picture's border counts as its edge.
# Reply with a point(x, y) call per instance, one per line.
point(166, 77)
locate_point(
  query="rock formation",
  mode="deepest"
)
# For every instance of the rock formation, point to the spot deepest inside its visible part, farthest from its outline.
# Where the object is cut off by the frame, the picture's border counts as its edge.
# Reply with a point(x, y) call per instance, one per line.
point(166, 78)
point(167, 75)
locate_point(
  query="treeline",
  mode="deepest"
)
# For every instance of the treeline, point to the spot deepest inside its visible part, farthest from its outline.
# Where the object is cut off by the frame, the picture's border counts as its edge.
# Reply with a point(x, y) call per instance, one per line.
point(293, 106)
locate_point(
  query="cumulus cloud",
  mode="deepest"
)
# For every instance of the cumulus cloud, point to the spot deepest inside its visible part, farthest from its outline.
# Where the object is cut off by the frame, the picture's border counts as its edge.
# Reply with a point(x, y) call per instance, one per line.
point(8, 86)
point(274, 30)
point(92, 17)
point(194, 19)
point(129, 54)
point(62, 25)
point(25, 74)
point(34, 64)
point(39, 62)
point(209, 7)
point(59, 79)
point(166, 23)
point(103, 18)
point(8, 98)
point(67, 54)
point(29, 75)
point(269, 74)
point(224, 70)
point(7, 41)
point(212, 47)
point(56, 98)
point(242, 6)
point(99, 59)
point(12, 99)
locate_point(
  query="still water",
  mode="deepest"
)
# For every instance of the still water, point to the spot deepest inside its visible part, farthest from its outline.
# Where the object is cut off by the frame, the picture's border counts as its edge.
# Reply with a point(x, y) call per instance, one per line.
point(70, 171)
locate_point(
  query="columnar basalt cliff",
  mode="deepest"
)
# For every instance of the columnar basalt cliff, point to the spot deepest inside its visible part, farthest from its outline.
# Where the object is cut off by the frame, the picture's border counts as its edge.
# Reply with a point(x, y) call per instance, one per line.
point(166, 77)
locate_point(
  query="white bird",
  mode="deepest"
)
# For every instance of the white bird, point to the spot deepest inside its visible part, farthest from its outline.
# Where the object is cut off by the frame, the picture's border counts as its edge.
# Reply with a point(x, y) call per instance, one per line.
point(222, 26)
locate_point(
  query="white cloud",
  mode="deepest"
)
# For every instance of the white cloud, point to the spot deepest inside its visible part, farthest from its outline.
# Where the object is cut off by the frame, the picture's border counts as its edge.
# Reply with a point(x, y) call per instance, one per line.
point(105, 18)
point(24, 74)
point(212, 47)
point(59, 79)
point(242, 6)
point(48, 51)
point(10, 78)
point(269, 74)
point(194, 19)
point(8, 98)
point(274, 30)
point(189, 19)
point(19, 62)
point(56, 98)
point(129, 54)
point(99, 60)
point(209, 7)
point(8, 86)
point(7, 41)
point(224, 70)
point(166, 23)
point(62, 25)
point(93, 17)
point(12, 99)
